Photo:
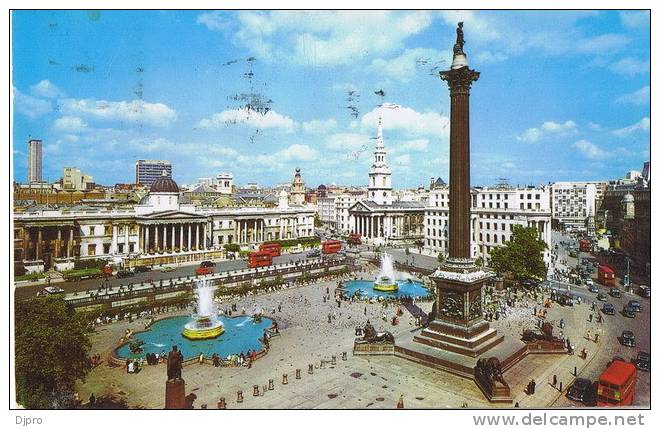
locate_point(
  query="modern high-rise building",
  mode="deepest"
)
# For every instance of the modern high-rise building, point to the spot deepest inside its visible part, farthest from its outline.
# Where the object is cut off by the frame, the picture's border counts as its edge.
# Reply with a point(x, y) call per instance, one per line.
point(148, 171)
point(34, 161)
point(76, 180)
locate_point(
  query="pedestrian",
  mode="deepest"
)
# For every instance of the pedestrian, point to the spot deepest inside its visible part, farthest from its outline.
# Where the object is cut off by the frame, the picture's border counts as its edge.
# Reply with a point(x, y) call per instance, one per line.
point(554, 380)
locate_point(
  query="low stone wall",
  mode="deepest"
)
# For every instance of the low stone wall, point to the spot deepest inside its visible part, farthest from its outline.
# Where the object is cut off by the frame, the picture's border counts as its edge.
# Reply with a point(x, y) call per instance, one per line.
point(373, 349)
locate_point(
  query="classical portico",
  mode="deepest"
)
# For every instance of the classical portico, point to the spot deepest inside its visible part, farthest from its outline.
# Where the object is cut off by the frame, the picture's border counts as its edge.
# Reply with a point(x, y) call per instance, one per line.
point(173, 232)
point(400, 220)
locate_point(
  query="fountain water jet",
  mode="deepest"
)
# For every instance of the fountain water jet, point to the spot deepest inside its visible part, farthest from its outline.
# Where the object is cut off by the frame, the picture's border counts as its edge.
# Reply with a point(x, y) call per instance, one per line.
point(386, 280)
point(204, 325)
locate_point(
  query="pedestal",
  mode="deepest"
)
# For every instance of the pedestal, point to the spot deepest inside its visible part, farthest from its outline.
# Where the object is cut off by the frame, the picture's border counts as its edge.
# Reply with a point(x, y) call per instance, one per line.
point(175, 394)
point(459, 326)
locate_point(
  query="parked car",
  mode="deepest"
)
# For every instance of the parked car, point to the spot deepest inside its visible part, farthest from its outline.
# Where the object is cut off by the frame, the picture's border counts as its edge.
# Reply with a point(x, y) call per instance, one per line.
point(644, 291)
point(615, 292)
point(628, 339)
point(579, 389)
point(167, 269)
point(589, 282)
point(601, 297)
point(608, 309)
point(593, 288)
point(207, 264)
point(142, 269)
point(628, 312)
point(124, 273)
point(200, 271)
point(635, 305)
point(643, 361)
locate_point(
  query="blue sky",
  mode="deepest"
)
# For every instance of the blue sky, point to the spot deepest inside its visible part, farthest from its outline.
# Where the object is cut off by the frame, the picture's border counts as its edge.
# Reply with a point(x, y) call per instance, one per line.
point(562, 95)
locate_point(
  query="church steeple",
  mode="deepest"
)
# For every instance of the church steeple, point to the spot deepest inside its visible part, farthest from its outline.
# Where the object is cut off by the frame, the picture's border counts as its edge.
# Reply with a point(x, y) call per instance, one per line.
point(380, 181)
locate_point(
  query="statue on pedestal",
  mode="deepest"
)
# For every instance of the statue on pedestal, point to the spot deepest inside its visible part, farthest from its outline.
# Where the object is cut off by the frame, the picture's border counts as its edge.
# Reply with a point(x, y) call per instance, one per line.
point(458, 46)
point(174, 363)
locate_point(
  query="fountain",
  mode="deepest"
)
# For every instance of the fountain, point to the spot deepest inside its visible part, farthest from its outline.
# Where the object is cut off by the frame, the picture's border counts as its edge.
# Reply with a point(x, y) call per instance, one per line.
point(204, 325)
point(386, 281)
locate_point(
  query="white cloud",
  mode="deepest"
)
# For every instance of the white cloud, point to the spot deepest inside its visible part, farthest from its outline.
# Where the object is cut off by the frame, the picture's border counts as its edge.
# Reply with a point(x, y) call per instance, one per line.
point(640, 97)
point(214, 20)
point(46, 89)
point(594, 126)
point(414, 145)
point(405, 66)
point(532, 135)
point(630, 66)
point(643, 125)
point(481, 28)
point(603, 43)
point(348, 142)
point(297, 152)
point(138, 111)
point(402, 159)
point(324, 38)
point(270, 119)
point(29, 106)
point(319, 127)
point(70, 124)
point(590, 150)
point(407, 120)
point(635, 19)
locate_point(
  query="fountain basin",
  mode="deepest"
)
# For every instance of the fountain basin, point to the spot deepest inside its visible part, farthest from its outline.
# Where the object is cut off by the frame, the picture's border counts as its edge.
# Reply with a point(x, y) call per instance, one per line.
point(385, 284)
point(405, 288)
point(203, 328)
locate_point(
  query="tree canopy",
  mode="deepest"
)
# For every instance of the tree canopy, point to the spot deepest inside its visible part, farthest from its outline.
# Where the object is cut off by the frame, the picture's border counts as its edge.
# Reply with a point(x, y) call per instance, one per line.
point(522, 256)
point(51, 352)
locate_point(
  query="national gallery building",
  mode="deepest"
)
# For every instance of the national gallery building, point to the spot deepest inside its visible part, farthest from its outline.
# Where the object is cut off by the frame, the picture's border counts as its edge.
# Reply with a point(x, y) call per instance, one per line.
point(157, 230)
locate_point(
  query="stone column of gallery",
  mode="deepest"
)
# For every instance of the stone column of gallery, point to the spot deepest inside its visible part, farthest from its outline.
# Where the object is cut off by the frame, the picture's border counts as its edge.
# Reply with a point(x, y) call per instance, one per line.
point(458, 324)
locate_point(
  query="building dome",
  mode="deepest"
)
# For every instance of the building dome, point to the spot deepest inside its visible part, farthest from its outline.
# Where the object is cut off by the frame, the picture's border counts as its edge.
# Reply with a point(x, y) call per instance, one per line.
point(164, 184)
point(628, 198)
point(322, 188)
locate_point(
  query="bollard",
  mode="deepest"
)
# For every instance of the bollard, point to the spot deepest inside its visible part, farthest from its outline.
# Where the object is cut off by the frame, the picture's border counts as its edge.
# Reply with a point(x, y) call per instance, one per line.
point(263, 391)
point(334, 359)
point(322, 364)
point(255, 390)
point(297, 374)
point(285, 379)
point(310, 368)
point(239, 396)
point(271, 384)
point(222, 404)
point(343, 356)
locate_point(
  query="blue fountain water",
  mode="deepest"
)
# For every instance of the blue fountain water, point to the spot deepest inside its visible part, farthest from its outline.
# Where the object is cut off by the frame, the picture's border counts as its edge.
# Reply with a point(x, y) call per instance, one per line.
point(241, 334)
point(406, 289)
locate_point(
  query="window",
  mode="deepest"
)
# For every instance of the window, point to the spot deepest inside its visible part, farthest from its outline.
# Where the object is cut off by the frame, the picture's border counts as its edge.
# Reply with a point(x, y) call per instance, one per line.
point(107, 230)
point(91, 249)
point(106, 248)
point(91, 230)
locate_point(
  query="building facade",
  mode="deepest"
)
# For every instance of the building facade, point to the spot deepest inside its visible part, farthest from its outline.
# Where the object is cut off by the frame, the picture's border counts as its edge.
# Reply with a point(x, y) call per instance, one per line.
point(494, 213)
point(74, 179)
point(157, 230)
point(297, 192)
point(572, 204)
point(147, 171)
point(34, 161)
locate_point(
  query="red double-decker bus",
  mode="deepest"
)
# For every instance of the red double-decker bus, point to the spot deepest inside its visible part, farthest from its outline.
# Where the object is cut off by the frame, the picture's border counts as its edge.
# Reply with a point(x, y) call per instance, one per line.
point(275, 249)
point(585, 245)
point(331, 246)
point(354, 238)
point(605, 275)
point(259, 259)
point(616, 385)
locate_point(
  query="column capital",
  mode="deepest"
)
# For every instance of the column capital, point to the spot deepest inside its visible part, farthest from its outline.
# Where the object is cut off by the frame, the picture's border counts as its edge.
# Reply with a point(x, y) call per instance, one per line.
point(459, 80)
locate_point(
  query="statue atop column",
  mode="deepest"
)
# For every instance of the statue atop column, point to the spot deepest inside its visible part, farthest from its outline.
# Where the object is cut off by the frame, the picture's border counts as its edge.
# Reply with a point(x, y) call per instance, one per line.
point(458, 46)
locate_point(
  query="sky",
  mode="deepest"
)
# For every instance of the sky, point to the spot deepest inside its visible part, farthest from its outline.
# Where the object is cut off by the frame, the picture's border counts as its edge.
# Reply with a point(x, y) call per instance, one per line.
point(562, 95)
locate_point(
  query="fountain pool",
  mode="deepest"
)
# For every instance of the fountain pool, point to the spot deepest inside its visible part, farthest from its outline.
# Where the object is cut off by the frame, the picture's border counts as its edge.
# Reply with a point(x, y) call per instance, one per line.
point(406, 288)
point(242, 334)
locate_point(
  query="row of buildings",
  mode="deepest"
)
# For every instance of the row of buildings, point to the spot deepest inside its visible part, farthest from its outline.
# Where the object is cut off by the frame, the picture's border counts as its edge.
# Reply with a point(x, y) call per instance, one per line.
point(155, 220)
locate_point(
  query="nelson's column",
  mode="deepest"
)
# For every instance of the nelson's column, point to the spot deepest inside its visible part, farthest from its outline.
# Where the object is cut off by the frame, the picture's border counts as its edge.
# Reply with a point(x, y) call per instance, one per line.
point(459, 326)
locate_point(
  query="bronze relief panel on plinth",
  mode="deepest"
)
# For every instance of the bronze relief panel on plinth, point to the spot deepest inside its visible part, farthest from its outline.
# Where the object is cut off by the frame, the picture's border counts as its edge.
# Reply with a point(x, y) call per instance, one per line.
point(451, 305)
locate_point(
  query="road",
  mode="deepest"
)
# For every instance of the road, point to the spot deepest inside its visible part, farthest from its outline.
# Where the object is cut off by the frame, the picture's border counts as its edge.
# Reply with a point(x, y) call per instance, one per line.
point(614, 325)
point(29, 291)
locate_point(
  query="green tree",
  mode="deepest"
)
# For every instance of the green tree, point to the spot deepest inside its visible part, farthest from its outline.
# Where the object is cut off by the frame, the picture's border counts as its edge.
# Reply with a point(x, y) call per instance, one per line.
point(51, 352)
point(522, 256)
point(317, 221)
point(232, 247)
point(441, 257)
